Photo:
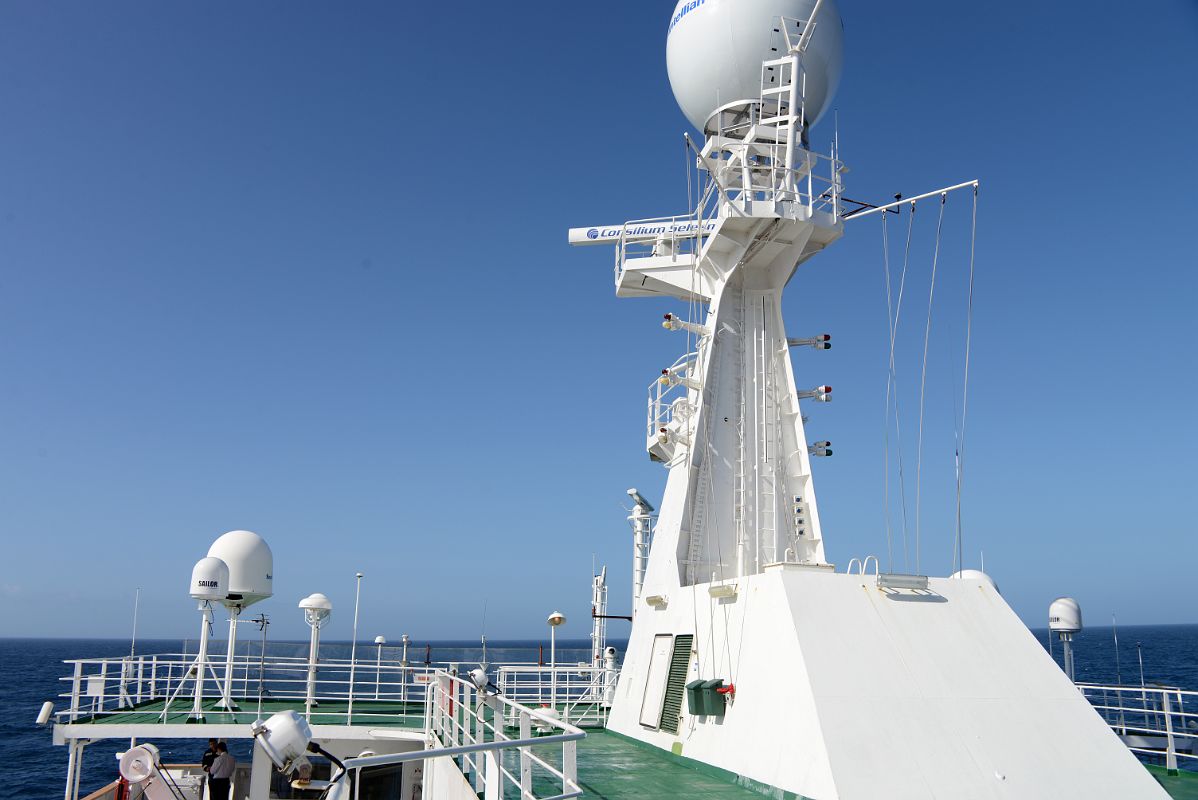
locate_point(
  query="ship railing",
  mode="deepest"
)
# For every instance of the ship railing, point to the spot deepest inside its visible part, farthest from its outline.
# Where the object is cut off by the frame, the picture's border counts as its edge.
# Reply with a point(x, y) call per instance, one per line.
point(350, 692)
point(1152, 720)
point(471, 726)
point(583, 693)
point(749, 165)
point(669, 397)
point(673, 239)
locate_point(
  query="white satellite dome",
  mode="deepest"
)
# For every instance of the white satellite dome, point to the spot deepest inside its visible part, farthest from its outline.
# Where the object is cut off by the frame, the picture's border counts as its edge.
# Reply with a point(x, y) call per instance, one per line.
point(976, 575)
point(251, 567)
point(210, 579)
point(714, 51)
point(1065, 615)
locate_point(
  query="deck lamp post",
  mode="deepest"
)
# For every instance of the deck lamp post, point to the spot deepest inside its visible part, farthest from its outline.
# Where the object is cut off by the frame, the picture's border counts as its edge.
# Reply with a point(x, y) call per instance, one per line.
point(555, 619)
point(378, 664)
point(317, 609)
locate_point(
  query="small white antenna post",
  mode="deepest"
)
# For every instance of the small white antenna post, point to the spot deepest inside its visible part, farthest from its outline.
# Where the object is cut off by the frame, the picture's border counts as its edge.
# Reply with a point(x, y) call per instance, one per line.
point(133, 640)
point(353, 649)
point(379, 641)
point(555, 619)
point(598, 616)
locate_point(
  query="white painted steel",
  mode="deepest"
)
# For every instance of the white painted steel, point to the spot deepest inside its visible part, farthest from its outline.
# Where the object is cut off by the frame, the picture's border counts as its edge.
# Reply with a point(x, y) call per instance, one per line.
point(849, 691)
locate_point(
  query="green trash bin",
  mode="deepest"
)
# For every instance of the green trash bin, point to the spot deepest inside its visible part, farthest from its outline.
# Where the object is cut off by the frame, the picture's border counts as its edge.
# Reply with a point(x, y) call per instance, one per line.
point(694, 698)
point(713, 701)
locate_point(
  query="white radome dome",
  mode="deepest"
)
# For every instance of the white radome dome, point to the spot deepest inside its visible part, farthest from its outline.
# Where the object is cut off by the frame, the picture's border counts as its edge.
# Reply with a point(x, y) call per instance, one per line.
point(210, 579)
point(1065, 616)
point(251, 567)
point(976, 575)
point(714, 51)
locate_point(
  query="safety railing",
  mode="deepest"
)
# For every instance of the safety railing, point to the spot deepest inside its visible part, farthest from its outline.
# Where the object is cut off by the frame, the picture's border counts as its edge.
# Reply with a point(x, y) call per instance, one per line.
point(361, 692)
point(470, 725)
point(1151, 720)
point(580, 694)
point(675, 239)
point(749, 171)
point(669, 412)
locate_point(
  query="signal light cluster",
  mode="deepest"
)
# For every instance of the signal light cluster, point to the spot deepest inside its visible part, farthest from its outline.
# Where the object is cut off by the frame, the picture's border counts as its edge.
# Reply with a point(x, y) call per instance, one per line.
point(820, 394)
point(821, 342)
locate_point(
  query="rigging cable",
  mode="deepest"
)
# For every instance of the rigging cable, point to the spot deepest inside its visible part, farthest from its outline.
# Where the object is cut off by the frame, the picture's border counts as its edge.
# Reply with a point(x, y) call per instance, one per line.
point(924, 378)
point(973, 235)
point(893, 316)
point(886, 435)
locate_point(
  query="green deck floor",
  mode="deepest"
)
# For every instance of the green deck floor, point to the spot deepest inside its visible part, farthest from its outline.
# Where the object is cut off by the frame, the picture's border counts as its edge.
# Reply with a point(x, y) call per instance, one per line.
point(1180, 787)
point(610, 766)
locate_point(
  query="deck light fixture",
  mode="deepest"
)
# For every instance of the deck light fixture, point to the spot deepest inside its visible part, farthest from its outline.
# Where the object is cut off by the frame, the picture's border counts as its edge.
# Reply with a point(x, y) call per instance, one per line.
point(555, 619)
point(379, 641)
point(317, 610)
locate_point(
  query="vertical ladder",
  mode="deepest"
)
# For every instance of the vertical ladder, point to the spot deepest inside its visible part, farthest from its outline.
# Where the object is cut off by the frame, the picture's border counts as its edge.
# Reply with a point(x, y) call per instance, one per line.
point(767, 500)
point(697, 535)
point(740, 478)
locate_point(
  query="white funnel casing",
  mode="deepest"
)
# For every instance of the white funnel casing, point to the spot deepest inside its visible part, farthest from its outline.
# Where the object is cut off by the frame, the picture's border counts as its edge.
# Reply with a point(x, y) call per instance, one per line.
point(715, 50)
point(251, 567)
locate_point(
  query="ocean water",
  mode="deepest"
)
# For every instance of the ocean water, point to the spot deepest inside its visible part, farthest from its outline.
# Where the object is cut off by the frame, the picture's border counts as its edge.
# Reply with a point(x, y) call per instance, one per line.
point(30, 669)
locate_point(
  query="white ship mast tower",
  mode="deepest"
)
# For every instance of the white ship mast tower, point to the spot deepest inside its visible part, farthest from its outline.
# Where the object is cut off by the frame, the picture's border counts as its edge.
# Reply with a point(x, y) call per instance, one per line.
point(748, 651)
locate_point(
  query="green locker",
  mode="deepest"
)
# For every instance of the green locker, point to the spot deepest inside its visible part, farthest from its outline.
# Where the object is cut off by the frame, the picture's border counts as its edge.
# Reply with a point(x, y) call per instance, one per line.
point(694, 698)
point(713, 701)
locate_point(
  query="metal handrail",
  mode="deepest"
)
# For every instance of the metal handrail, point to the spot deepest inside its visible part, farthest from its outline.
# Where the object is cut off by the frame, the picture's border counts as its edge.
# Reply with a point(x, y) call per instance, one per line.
point(114, 687)
point(1154, 715)
point(457, 720)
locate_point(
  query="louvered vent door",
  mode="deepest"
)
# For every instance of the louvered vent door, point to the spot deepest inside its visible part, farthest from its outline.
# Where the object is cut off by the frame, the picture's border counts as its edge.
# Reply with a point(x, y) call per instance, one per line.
point(680, 661)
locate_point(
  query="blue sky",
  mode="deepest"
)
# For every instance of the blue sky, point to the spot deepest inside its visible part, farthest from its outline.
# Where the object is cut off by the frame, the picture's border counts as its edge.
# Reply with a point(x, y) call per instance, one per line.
point(301, 268)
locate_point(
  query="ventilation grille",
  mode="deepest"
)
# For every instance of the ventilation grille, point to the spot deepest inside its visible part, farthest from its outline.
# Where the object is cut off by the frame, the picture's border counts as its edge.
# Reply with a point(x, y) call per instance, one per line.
point(680, 661)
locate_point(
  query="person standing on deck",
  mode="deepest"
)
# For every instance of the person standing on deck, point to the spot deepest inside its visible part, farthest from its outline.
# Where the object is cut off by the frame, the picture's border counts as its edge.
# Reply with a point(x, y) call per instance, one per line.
point(220, 774)
point(208, 757)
